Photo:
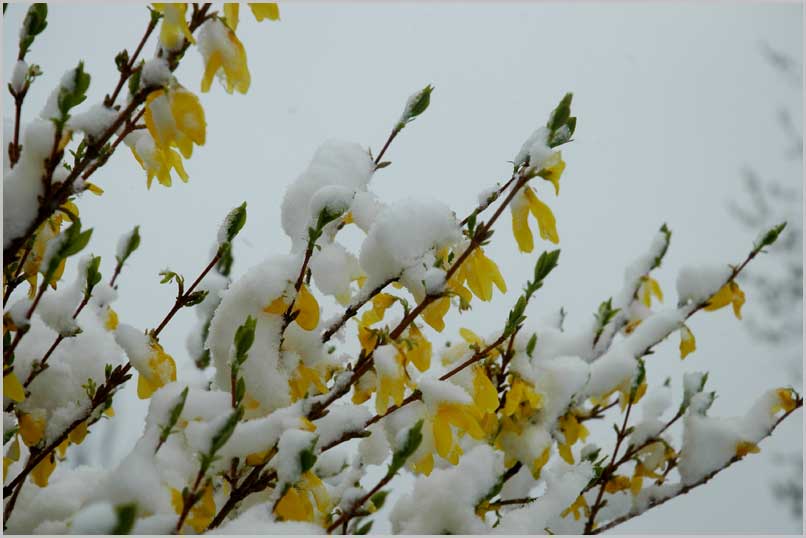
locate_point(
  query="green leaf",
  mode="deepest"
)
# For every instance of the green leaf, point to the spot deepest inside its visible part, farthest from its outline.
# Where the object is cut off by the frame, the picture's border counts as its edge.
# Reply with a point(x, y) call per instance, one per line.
point(71, 97)
point(89, 388)
point(516, 316)
point(307, 459)
point(379, 499)
point(413, 439)
point(668, 237)
point(365, 528)
point(222, 436)
point(689, 392)
point(235, 221)
point(561, 124)
point(168, 276)
point(244, 338)
point(240, 391)
point(134, 78)
point(416, 105)
point(561, 113)
point(770, 237)
point(93, 276)
point(471, 224)
point(9, 433)
point(127, 515)
point(71, 241)
point(173, 416)
point(639, 378)
point(605, 315)
point(195, 298)
point(77, 243)
point(154, 14)
point(545, 265)
point(132, 244)
point(225, 261)
point(35, 22)
point(530, 347)
point(122, 60)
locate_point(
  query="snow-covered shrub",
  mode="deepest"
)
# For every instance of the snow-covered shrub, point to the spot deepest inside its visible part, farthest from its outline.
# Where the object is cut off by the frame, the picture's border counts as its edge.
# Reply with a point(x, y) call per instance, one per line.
point(493, 428)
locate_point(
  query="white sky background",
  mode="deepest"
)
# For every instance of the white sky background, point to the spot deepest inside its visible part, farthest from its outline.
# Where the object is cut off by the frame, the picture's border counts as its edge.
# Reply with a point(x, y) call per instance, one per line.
point(672, 101)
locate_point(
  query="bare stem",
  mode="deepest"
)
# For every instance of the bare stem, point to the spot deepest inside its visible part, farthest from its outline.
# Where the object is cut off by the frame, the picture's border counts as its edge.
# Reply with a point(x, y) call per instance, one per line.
point(685, 489)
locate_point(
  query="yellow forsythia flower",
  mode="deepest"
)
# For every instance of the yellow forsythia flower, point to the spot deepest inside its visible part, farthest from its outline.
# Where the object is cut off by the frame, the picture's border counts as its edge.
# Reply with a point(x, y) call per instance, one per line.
point(687, 342)
point(12, 455)
point(485, 395)
point(416, 349)
point(730, 293)
point(266, 10)
point(175, 118)
point(308, 317)
point(573, 431)
point(617, 483)
point(224, 52)
point(540, 462)
point(576, 506)
point(624, 397)
point(521, 399)
point(649, 287)
point(424, 465)
point(391, 385)
point(161, 370)
point(434, 313)
point(366, 336)
point(305, 304)
point(302, 380)
point(78, 434)
point(480, 273)
point(174, 27)
point(157, 162)
point(31, 429)
point(93, 188)
point(111, 322)
point(41, 473)
point(786, 401)
point(203, 511)
point(12, 388)
point(459, 415)
point(525, 202)
point(743, 448)
point(260, 11)
point(295, 505)
point(552, 170)
point(46, 232)
point(231, 10)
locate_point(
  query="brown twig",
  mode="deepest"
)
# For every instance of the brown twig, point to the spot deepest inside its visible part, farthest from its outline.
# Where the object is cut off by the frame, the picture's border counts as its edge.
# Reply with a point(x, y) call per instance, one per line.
point(117, 377)
point(685, 489)
point(251, 484)
point(414, 396)
point(345, 517)
point(14, 146)
point(183, 298)
point(481, 233)
point(57, 198)
point(392, 136)
point(597, 411)
point(608, 471)
point(127, 71)
point(352, 310)
point(189, 501)
point(16, 279)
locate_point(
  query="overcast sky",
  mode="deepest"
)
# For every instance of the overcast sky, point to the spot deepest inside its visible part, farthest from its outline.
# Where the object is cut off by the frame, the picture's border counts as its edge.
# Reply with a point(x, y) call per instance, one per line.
point(672, 101)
